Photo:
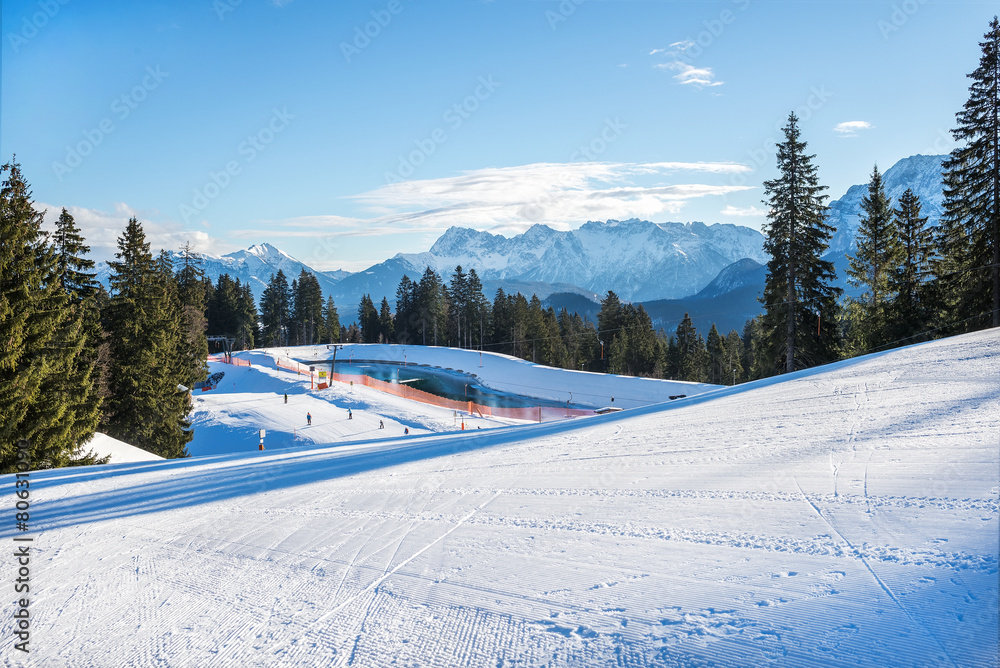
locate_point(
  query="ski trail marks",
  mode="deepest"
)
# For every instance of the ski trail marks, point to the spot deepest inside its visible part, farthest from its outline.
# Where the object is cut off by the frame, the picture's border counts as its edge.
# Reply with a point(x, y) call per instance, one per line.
point(879, 580)
point(378, 581)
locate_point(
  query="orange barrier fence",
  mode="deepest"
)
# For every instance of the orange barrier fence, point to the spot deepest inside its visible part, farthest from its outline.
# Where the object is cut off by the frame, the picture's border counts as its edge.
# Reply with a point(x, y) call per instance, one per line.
point(235, 361)
point(527, 413)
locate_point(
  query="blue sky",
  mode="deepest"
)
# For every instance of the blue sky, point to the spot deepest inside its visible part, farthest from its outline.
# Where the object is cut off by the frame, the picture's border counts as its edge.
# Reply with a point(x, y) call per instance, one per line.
point(345, 132)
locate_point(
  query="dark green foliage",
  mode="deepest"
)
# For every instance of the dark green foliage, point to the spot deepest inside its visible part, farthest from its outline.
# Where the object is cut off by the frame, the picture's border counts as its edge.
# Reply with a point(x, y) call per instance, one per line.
point(799, 325)
point(276, 310)
point(968, 269)
point(147, 360)
point(732, 363)
point(191, 294)
point(44, 336)
point(716, 355)
point(306, 310)
point(368, 320)
point(407, 320)
point(232, 311)
point(873, 266)
point(692, 358)
point(910, 309)
point(331, 322)
point(385, 324)
point(431, 309)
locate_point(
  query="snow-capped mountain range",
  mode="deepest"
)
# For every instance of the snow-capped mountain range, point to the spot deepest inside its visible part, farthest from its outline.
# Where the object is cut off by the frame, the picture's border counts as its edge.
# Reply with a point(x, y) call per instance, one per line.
point(255, 265)
point(638, 259)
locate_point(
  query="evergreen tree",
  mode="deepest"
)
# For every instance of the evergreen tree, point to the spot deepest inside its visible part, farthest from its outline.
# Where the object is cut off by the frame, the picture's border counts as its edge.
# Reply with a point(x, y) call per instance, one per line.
point(81, 389)
point(146, 407)
point(307, 309)
point(969, 270)
point(42, 339)
point(716, 353)
point(732, 368)
point(275, 310)
point(502, 324)
point(477, 313)
point(331, 321)
point(385, 325)
point(801, 304)
point(910, 309)
point(873, 266)
point(691, 353)
point(194, 324)
point(407, 319)
point(458, 297)
point(368, 320)
point(432, 308)
point(248, 329)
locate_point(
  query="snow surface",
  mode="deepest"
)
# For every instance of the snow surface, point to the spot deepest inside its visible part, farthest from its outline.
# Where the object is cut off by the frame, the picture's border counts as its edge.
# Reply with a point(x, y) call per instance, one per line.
point(120, 451)
point(841, 516)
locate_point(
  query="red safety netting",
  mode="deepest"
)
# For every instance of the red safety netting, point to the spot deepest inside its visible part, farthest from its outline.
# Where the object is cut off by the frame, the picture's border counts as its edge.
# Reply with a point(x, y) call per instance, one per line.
point(527, 413)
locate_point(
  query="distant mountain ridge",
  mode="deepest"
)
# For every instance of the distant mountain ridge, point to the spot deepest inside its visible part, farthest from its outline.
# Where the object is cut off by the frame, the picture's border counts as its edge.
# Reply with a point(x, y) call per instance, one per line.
point(254, 266)
point(674, 265)
point(635, 258)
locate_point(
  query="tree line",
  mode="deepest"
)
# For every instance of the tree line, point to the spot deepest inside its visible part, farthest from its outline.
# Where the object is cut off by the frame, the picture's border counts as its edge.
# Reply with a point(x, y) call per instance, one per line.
point(76, 357)
point(917, 282)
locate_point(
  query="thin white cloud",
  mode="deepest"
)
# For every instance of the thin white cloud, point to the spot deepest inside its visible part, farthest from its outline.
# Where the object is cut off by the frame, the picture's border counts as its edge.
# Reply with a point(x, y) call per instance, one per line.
point(702, 77)
point(101, 230)
point(557, 194)
point(851, 128)
point(747, 212)
point(687, 74)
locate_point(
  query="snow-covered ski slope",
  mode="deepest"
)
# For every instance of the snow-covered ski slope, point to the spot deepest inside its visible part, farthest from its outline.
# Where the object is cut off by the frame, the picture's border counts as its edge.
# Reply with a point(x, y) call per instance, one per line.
point(842, 516)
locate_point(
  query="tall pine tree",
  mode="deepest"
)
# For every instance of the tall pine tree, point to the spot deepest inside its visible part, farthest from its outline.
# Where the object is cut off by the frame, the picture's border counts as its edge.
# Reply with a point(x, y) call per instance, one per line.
point(873, 267)
point(801, 304)
point(969, 269)
point(41, 342)
point(147, 408)
point(910, 309)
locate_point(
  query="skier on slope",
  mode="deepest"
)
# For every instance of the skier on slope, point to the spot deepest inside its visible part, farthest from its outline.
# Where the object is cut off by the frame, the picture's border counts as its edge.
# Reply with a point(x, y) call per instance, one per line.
point(286, 397)
point(381, 425)
point(350, 415)
point(309, 419)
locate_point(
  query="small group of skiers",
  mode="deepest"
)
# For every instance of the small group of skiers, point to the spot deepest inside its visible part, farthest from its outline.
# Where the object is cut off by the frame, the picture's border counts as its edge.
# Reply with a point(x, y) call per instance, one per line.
point(350, 416)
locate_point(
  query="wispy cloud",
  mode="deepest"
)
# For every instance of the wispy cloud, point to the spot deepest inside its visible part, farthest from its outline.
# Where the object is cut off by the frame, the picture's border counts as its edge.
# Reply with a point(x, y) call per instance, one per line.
point(851, 128)
point(101, 229)
point(560, 195)
point(687, 74)
point(747, 212)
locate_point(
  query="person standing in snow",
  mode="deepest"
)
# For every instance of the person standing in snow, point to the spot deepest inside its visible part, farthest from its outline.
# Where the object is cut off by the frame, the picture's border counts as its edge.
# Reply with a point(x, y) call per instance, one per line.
point(309, 419)
point(381, 425)
point(286, 397)
point(350, 416)
point(406, 430)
